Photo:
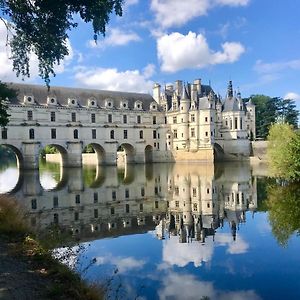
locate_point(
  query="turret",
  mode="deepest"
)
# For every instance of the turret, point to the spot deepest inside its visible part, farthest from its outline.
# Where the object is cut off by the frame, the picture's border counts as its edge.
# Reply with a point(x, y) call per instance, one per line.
point(185, 100)
point(156, 93)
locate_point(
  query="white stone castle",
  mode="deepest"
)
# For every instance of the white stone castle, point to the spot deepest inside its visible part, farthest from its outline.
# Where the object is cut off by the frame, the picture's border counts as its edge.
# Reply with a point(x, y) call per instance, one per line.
point(184, 122)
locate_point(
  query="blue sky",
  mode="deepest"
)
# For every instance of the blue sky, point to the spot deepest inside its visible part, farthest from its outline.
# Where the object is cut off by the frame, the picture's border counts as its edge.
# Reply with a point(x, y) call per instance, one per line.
point(255, 43)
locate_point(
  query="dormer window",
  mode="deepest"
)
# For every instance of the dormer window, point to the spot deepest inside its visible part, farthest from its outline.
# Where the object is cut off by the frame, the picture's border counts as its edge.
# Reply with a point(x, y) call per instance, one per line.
point(108, 103)
point(124, 104)
point(72, 102)
point(28, 100)
point(51, 101)
point(92, 103)
point(138, 105)
point(153, 106)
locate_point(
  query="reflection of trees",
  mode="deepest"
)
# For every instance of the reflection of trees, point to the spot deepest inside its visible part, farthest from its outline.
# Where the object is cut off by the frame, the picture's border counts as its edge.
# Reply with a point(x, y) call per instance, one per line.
point(284, 210)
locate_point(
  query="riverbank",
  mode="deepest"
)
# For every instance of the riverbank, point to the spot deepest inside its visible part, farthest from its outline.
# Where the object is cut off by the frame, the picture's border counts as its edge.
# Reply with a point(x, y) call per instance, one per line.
point(27, 269)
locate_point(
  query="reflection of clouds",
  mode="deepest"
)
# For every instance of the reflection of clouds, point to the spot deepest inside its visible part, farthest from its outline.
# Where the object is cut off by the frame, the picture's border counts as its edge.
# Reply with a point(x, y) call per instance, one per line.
point(8, 179)
point(47, 181)
point(175, 253)
point(180, 254)
point(123, 264)
point(175, 286)
point(238, 246)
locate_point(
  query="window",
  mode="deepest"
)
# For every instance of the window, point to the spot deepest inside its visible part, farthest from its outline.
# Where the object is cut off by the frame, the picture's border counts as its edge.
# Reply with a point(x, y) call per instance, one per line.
point(141, 207)
point(174, 105)
point(206, 133)
point(241, 123)
point(124, 119)
point(73, 117)
point(194, 192)
point(112, 134)
point(208, 205)
point(77, 199)
point(141, 134)
point(211, 119)
point(94, 134)
point(207, 191)
point(109, 118)
point(114, 195)
point(142, 192)
point(235, 123)
point(175, 134)
point(195, 207)
point(55, 202)
point(138, 119)
point(176, 203)
point(95, 197)
point(158, 146)
point(75, 133)
point(192, 118)
point(53, 133)
point(55, 218)
point(33, 204)
point(154, 134)
point(76, 216)
point(155, 190)
point(192, 132)
point(125, 133)
point(112, 210)
point(52, 116)
point(230, 124)
point(96, 213)
point(93, 118)
point(31, 134)
point(127, 208)
point(156, 204)
point(29, 115)
point(154, 120)
point(4, 133)
point(126, 193)
point(206, 119)
point(174, 120)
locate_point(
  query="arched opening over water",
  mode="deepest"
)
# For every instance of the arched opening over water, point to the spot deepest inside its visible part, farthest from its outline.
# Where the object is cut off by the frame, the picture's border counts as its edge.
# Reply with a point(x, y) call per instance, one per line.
point(218, 152)
point(11, 161)
point(125, 154)
point(93, 175)
point(148, 154)
point(93, 154)
point(53, 158)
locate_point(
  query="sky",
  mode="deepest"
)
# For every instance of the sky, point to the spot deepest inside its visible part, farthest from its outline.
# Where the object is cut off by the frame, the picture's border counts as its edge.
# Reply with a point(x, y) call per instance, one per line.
point(254, 43)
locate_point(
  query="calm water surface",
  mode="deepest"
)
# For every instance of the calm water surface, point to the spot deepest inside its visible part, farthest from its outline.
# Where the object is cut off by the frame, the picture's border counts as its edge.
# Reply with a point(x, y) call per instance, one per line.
point(171, 231)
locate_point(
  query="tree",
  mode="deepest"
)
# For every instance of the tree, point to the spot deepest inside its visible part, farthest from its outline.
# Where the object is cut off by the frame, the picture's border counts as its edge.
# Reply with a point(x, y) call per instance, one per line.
point(284, 151)
point(5, 93)
point(287, 112)
point(42, 26)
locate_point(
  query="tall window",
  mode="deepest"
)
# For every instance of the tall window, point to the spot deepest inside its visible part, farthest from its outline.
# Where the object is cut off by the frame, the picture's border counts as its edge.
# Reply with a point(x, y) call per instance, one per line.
point(55, 202)
point(73, 117)
point(142, 192)
point(235, 123)
point(53, 133)
point(126, 193)
point(124, 119)
point(52, 116)
point(31, 134)
point(192, 132)
point(75, 133)
point(138, 119)
point(141, 134)
point(154, 120)
point(109, 118)
point(4, 133)
point(93, 118)
point(95, 197)
point(125, 134)
point(175, 134)
point(127, 208)
point(29, 115)
point(206, 119)
point(174, 120)
point(241, 123)
point(154, 134)
point(112, 134)
point(94, 133)
point(193, 118)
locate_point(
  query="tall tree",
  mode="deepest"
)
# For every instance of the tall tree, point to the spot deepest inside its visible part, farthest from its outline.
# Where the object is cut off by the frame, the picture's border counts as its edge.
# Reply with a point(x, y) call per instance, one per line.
point(5, 93)
point(42, 26)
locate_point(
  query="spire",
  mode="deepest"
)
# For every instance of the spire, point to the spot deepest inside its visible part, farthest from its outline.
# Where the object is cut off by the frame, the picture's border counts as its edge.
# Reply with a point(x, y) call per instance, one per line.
point(229, 90)
point(184, 93)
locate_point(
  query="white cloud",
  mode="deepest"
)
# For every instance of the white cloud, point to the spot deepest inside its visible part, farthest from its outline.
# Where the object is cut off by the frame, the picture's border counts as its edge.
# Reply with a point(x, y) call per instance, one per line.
point(177, 51)
point(292, 96)
point(273, 67)
point(238, 246)
point(114, 80)
point(170, 13)
point(115, 37)
point(131, 2)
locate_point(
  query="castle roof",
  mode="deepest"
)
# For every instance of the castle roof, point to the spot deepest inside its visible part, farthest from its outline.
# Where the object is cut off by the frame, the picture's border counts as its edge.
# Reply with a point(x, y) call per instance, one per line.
point(62, 94)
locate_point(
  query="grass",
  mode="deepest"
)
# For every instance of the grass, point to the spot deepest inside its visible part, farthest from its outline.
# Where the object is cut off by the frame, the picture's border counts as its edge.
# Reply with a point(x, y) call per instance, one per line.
point(65, 284)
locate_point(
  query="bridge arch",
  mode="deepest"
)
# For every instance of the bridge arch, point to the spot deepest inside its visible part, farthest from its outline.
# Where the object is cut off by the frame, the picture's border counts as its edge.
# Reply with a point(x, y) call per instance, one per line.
point(63, 159)
point(218, 152)
point(18, 154)
point(148, 154)
point(98, 150)
point(126, 152)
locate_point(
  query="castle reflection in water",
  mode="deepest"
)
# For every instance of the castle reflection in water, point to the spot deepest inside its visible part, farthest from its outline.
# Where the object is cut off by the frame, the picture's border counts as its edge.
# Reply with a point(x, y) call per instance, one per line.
point(186, 201)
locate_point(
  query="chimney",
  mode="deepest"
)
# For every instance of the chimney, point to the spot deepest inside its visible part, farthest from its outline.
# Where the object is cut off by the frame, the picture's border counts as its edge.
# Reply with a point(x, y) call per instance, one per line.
point(197, 82)
point(156, 92)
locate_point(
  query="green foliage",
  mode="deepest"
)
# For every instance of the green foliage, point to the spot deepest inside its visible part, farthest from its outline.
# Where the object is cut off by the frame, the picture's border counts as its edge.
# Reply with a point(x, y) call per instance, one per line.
point(42, 28)
point(49, 150)
point(284, 151)
point(284, 210)
point(271, 110)
point(89, 149)
point(5, 93)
